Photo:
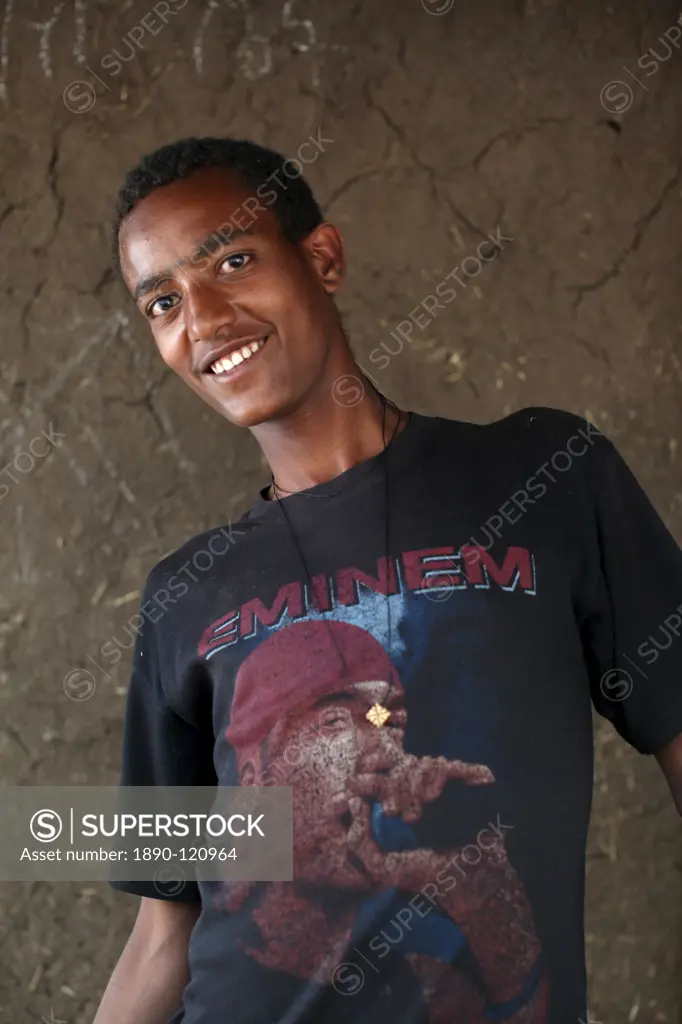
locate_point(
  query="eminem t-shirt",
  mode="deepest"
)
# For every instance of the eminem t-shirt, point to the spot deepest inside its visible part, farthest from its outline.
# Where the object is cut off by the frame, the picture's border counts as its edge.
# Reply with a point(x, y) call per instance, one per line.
point(427, 692)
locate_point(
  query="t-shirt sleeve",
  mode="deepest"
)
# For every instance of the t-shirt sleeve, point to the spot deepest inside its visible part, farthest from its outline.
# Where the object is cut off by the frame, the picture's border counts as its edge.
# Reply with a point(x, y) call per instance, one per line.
point(633, 632)
point(160, 748)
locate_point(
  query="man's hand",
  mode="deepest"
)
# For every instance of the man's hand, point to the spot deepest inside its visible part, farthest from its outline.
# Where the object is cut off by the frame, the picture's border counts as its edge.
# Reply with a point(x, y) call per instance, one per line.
point(412, 870)
point(412, 781)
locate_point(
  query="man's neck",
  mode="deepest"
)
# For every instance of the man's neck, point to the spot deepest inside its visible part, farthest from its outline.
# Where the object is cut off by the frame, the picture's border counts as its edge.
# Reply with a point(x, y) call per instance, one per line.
point(313, 447)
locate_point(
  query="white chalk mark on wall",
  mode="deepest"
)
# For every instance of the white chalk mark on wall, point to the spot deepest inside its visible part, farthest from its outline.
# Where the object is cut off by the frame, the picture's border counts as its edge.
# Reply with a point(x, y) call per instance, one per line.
point(246, 57)
point(80, 16)
point(102, 338)
point(17, 432)
point(457, 235)
point(45, 30)
point(106, 461)
point(24, 574)
point(310, 42)
point(246, 51)
point(78, 471)
point(198, 48)
point(4, 50)
point(253, 57)
point(163, 420)
point(293, 23)
point(172, 443)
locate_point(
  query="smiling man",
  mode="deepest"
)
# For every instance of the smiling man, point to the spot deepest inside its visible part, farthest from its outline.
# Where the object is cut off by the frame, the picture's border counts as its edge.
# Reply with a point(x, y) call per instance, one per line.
point(418, 689)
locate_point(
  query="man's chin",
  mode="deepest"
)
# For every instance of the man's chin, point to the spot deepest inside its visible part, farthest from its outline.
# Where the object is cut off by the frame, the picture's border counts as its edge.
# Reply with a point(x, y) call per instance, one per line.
point(251, 408)
point(240, 410)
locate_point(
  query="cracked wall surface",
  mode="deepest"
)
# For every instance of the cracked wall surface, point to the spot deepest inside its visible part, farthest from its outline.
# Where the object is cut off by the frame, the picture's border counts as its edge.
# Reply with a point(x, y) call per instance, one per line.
point(540, 118)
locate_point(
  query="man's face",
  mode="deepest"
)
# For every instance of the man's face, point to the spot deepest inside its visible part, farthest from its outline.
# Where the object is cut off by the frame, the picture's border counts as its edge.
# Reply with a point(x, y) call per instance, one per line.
point(204, 299)
point(318, 750)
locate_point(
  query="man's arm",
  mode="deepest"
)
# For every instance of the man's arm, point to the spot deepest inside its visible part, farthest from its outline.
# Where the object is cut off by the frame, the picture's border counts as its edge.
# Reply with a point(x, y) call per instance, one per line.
point(148, 981)
point(670, 760)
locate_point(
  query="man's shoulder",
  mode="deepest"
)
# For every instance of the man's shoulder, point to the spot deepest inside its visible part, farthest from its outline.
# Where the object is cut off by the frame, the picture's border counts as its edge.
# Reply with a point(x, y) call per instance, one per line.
point(202, 553)
point(533, 427)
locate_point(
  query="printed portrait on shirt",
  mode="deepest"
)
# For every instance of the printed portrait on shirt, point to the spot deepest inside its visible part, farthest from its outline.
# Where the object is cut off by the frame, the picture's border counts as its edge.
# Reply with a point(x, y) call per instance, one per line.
point(300, 718)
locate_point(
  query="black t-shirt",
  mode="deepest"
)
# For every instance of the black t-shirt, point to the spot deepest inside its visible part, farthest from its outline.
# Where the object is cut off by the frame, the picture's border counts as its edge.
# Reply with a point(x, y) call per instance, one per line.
point(528, 578)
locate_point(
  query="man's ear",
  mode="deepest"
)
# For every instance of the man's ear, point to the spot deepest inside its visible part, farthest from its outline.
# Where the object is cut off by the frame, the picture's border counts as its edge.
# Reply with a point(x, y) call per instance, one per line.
point(325, 249)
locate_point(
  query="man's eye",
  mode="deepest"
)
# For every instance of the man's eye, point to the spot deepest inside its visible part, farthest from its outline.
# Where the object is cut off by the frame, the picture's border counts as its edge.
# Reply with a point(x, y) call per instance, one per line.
point(335, 716)
point(156, 309)
point(241, 259)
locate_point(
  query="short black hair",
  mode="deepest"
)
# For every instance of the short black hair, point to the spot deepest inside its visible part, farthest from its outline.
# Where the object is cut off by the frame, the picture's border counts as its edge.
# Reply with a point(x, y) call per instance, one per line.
point(253, 165)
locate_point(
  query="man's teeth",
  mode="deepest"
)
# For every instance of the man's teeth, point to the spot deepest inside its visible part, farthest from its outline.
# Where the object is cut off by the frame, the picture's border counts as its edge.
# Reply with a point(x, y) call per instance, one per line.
point(223, 365)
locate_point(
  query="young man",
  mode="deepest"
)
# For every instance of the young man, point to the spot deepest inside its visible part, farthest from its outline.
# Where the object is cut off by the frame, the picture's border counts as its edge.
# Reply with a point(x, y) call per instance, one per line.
point(410, 630)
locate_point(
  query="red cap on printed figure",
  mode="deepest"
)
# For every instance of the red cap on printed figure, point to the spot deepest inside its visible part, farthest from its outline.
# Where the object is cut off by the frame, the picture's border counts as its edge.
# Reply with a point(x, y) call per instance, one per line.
point(297, 665)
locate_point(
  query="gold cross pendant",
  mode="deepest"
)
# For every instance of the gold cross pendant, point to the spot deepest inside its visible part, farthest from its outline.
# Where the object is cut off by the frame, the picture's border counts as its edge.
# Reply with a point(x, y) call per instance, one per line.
point(378, 715)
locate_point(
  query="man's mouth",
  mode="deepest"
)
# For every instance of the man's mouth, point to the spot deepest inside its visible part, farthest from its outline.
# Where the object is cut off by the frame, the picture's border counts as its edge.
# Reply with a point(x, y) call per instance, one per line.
point(227, 365)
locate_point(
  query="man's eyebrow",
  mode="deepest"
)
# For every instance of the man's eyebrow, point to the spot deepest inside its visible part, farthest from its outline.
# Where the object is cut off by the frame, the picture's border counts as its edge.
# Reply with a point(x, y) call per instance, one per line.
point(215, 241)
point(209, 245)
point(150, 284)
point(334, 698)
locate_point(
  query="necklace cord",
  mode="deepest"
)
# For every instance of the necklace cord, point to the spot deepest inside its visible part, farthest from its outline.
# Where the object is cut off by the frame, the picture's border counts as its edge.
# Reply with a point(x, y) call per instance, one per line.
point(385, 403)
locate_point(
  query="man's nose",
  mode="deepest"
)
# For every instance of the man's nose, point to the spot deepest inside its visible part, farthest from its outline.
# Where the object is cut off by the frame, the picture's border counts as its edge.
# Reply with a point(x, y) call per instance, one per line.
point(209, 313)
